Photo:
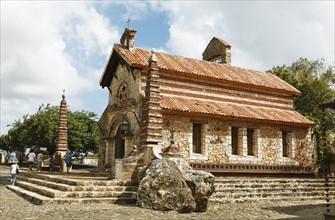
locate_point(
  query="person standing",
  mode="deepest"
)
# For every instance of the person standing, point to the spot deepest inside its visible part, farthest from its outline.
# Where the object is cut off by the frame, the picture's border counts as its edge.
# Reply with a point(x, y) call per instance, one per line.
point(39, 161)
point(68, 161)
point(14, 168)
point(31, 159)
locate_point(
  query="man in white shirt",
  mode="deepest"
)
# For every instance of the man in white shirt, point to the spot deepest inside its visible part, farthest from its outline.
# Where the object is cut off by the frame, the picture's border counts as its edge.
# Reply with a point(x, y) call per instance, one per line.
point(31, 159)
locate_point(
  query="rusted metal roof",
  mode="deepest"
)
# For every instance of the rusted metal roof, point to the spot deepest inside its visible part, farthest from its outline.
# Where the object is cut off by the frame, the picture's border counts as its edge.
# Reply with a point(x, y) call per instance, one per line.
point(191, 105)
point(138, 57)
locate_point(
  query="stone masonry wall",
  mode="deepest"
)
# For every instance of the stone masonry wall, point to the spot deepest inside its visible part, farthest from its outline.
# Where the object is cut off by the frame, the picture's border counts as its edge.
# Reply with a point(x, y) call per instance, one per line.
point(124, 76)
point(217, 143)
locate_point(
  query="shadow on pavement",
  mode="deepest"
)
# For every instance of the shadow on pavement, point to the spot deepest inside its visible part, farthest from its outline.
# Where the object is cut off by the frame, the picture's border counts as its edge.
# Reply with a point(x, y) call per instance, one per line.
point(4, 175)
point(305, 212)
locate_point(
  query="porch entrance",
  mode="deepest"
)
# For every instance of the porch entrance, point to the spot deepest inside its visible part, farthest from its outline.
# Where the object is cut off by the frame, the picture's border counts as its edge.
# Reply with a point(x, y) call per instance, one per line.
point(119, 145)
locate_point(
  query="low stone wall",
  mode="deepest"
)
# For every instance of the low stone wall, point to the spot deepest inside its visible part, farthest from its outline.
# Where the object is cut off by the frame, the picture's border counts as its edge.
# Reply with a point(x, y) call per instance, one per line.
point(93, 161)
point(127, 168)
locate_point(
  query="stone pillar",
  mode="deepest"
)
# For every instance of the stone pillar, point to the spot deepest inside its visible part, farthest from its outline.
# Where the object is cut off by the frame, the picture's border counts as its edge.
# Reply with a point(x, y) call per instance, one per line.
point(62, 145)
point(151, 130)
point(102, 155)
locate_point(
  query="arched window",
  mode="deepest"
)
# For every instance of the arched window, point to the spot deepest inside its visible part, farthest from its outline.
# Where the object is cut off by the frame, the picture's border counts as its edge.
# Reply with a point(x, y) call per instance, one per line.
point(122, 94)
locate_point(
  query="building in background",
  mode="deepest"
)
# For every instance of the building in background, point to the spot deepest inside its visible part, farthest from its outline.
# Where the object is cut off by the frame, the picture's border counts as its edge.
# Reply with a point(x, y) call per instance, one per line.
point(216, 113)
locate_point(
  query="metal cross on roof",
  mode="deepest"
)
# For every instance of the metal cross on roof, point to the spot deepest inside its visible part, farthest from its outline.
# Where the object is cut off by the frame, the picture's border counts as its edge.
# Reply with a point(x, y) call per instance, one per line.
point(128, 21)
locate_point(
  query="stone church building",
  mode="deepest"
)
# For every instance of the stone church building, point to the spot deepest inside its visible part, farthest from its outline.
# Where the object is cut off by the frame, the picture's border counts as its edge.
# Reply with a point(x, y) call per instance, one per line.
point(217, 114)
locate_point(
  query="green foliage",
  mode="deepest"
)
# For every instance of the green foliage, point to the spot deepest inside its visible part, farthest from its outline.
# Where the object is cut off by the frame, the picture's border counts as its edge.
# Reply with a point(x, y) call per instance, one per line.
point(316, 81)
point(83, 132)
point(40, 130)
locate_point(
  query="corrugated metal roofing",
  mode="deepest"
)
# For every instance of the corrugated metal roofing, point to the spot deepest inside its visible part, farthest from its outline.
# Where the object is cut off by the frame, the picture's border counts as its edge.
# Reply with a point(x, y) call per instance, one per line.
point(227, 109)
point(138, 57)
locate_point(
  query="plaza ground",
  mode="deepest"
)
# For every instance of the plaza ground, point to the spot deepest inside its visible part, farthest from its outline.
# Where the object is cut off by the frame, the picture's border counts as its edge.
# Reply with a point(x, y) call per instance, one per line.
point(13, 206)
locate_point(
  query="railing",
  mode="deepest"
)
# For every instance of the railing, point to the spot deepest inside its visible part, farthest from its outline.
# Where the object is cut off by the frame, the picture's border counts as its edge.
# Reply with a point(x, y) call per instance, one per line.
point(251, 168)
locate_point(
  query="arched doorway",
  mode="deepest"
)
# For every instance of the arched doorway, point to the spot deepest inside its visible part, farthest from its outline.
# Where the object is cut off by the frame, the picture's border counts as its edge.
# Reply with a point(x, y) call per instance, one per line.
point(119, 145)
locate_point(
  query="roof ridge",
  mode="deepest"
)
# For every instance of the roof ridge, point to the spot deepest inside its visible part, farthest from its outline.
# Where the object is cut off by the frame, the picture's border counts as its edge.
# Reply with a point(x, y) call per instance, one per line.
point(138, 57)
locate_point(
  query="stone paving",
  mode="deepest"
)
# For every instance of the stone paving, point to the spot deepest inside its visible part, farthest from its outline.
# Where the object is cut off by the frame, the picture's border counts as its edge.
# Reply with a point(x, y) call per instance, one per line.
point(14, 207)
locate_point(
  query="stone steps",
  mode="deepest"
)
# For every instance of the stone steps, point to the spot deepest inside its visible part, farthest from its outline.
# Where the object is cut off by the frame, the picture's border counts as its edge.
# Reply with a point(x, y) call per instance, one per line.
point(237, 195)
point(114, 186)
point(40, 199)
point(314, 199)
point(54, 193)
point(75, 180)
point(43, 188)
point(273, 186)
point(271, 190)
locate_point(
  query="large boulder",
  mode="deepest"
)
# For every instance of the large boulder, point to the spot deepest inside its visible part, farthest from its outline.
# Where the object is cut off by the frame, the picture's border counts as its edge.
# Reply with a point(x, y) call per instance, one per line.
point(162, 187)
point(202, 186)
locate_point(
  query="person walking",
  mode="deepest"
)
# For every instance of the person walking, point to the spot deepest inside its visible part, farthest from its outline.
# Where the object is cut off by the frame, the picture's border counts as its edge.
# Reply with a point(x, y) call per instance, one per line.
point(31, 159)
point(51, 163)
point(68, 161)
point(39, 161)
point(14, 170)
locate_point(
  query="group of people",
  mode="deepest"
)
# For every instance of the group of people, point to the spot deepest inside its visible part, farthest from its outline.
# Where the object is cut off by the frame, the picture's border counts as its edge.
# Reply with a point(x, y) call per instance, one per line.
point(14, 168)
point(32, 158)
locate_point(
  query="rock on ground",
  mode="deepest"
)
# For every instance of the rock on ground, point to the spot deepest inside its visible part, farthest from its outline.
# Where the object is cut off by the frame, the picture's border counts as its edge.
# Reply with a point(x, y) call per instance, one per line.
point(163, 188)
point(202, 186)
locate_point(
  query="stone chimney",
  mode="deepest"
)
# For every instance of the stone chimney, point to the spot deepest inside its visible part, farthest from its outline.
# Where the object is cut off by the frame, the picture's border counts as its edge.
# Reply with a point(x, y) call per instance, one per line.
point(128, 38)
point(217, 51)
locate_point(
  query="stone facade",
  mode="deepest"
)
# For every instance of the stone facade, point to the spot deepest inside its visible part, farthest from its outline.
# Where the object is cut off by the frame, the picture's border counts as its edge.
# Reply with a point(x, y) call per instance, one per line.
point(118, 110)
point(240, 116)
point(217, 143)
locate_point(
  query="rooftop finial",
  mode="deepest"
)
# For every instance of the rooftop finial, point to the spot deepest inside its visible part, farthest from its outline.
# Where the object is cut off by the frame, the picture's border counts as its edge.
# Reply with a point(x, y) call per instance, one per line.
point(63, 93)
point(153, 57)
point(128, 21)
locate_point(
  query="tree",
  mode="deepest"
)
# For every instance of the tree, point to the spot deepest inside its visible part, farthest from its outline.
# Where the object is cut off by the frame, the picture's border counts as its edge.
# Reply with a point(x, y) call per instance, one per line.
point(40, 130)
point(316, 81)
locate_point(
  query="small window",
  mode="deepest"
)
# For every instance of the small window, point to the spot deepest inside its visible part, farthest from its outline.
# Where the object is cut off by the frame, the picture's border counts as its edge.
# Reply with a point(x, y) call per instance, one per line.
point(197, 138)
point(285, 143)
point(250, 141)
point(122, 94)
point(234, 140)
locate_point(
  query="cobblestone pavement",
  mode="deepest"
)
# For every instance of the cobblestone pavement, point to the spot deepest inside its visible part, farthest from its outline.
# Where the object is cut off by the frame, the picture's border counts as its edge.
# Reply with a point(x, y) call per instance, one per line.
point(14, 207)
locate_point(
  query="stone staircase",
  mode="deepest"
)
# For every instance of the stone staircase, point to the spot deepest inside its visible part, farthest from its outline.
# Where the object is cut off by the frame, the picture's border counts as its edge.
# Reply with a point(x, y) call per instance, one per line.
point(47, 188)
point(43, 188)
point(239, 190)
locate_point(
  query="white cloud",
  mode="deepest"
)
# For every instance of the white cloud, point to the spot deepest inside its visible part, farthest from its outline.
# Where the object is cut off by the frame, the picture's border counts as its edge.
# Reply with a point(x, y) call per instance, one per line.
point(39, 53)
point(262, 34)
point(49, 46)
point(94, 32)
point(192, 26)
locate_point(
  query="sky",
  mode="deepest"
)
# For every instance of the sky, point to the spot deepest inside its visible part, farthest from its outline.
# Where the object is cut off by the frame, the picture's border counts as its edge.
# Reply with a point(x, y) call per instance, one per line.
point(48, 46)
